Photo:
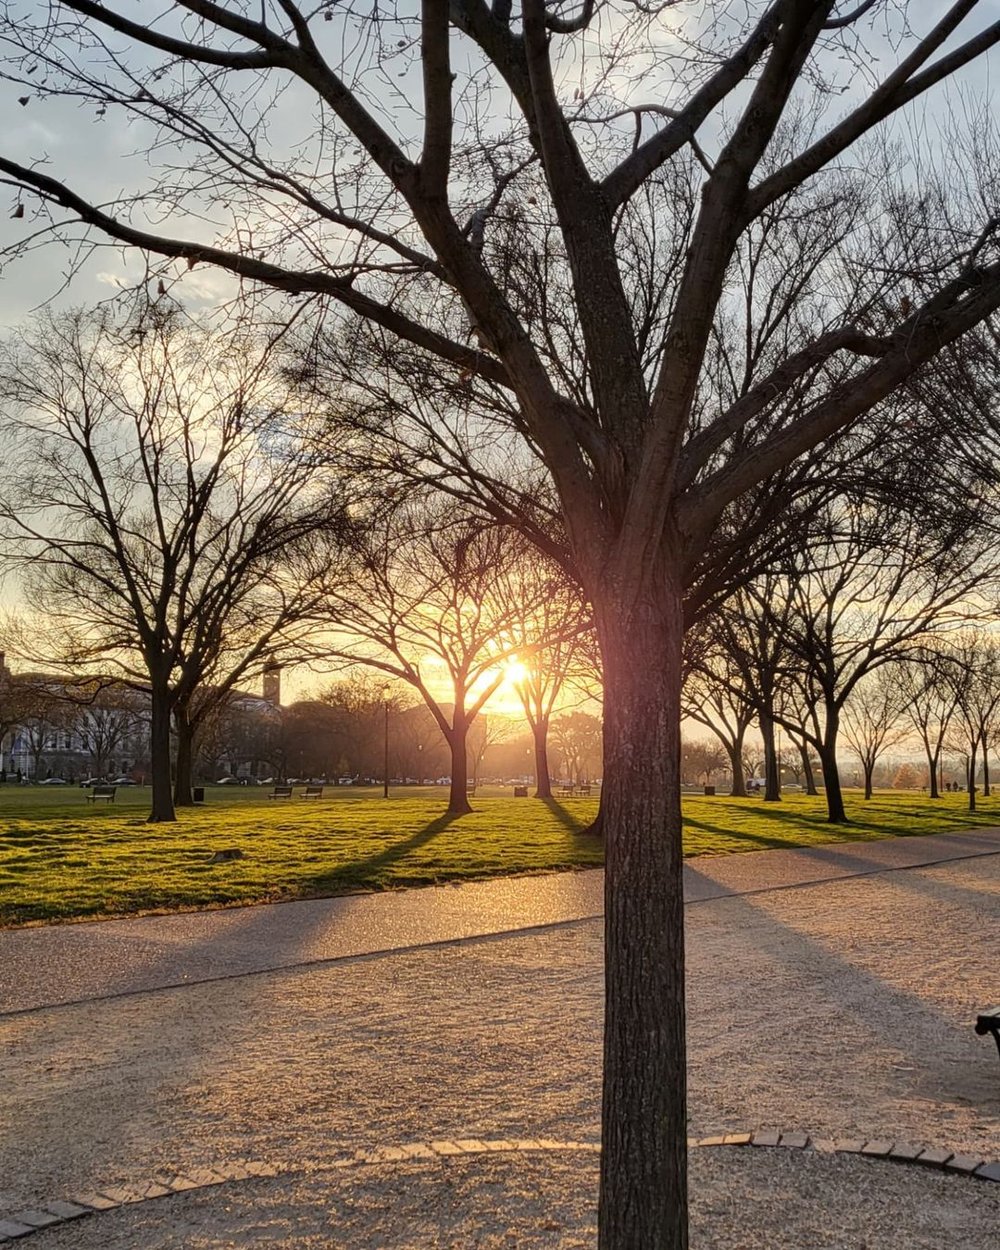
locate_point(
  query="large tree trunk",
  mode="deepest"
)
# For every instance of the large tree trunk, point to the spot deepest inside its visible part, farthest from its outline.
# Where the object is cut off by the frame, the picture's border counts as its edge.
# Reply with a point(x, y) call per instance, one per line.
point(986, 766)
point(808, 780)
point(772, 780)
point(183, 779)
point(932, 772)
point(543, 782)
point(835, 811)
point(596, 827)
point(643, 1196)
point(869, 770)
point(159, 757)
point(458, 799)
point(734, 750)
point(970, 779)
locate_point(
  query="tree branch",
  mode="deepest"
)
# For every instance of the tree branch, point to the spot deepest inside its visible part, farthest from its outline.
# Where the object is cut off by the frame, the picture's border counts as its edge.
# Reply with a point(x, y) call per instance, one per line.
point(966, 302)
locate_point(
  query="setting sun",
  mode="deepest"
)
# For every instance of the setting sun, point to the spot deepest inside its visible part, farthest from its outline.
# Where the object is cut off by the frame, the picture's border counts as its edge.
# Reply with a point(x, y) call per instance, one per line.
point(515, 673)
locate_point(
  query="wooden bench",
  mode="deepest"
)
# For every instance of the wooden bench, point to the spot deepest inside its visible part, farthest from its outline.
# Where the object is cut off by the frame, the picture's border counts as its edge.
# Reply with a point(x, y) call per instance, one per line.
point(281, 792)
point(565, 790)
point(312, 792)
point(470, 787)
point(102, 792)
point(584, 789)
point(989, 1022)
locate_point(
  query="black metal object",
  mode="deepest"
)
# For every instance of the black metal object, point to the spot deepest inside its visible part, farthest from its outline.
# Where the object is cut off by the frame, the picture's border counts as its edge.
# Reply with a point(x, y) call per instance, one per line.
point(989, 1022)
point(198, 794)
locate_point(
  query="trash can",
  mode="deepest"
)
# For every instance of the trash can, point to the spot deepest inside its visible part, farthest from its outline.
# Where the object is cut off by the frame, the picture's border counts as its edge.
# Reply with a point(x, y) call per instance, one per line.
point(520, 792)
point(198, 794)
point(710, 789)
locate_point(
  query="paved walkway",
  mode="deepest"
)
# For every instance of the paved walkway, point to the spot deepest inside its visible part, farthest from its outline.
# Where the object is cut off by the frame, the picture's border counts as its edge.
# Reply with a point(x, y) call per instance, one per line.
point(830, 990)
point(53, 964)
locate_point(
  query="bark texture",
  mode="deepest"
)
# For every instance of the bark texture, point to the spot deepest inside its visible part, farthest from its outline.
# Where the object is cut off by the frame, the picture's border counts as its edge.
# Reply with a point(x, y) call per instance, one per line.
point(643, 1200)
point(162, 808)
point(183, 766)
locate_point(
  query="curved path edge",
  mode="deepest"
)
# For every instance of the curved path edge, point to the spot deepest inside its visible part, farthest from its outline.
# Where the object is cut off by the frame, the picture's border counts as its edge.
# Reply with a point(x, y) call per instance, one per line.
point(22, 1224)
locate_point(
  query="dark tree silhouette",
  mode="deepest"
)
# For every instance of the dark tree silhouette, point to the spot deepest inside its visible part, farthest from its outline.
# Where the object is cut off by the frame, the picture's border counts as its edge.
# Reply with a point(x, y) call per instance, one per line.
point(410, 217)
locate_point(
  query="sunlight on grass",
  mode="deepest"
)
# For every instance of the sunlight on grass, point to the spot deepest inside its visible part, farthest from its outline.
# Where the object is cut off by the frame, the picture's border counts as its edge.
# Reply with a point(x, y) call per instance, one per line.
point(62, 858)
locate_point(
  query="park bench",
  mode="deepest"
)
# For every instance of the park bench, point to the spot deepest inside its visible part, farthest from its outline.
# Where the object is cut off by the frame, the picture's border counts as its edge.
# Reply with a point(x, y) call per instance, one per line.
point(565, 790)
point(989, 1022)
point(281, 792)
point(102, 792)
point(584, 789)
point(312, 792)
point(470, 786)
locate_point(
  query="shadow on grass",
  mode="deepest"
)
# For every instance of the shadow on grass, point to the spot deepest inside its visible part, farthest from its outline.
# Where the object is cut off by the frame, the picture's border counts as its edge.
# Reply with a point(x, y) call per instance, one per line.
point(368, 871)
point(820, 821)
point(732, 836)
point(570, 822)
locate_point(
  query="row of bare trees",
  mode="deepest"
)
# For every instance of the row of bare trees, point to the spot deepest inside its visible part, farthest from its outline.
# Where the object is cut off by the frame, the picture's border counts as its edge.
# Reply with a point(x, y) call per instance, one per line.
point(864, 620)
point(178, 522)
point(340, 731)
point(664, 251)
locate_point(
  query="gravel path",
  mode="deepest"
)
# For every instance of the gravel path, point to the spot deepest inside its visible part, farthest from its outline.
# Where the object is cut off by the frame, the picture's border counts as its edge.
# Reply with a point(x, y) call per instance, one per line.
point(742, 1199)
point(843, 1008)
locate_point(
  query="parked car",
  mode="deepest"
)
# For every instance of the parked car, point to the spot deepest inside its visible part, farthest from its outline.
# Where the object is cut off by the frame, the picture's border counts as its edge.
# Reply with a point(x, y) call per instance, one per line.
point(228, 781)
point(345, 781)
point(54, 781)
point(123, 781)
point(92, 781)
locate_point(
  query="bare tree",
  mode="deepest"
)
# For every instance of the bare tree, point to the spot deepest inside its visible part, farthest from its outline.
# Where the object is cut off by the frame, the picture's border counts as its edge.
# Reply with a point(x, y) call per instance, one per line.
point(488, 731)
point(871, 718)
point(549, 628)
point(164, 521)
point(861, 600)
point(407, 217)
point(972, 670)
point(111, 715)
point(716, 696)
point(749, 631)
point(21, 700)
point(420, 603)
point(577, 737)
point(700, 758)
point(931, 699)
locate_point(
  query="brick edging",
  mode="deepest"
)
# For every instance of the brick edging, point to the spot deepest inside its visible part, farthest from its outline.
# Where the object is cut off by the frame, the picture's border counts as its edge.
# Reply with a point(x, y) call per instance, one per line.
point(889, 1149)
point(62, 1211)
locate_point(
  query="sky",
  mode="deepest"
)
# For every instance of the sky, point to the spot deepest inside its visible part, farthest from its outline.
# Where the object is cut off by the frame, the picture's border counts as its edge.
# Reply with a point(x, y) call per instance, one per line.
point(100, 155)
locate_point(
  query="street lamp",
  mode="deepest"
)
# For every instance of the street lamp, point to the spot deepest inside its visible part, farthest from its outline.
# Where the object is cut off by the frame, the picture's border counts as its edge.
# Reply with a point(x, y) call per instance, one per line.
point(385, 758)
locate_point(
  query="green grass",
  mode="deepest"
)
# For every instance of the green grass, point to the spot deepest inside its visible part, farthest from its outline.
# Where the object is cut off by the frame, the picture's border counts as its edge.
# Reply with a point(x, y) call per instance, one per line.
point(64, 858)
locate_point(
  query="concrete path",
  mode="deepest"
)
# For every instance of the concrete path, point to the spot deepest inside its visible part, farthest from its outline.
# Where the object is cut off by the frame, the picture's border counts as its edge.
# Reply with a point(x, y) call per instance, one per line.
point(62, 964)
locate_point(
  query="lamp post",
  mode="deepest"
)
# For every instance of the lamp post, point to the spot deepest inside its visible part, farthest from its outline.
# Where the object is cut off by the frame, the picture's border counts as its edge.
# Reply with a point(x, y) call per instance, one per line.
point(385, 757)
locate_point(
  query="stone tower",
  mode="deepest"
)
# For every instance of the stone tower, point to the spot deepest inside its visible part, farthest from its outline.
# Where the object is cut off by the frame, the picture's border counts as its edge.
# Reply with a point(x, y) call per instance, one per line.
point(272, 683)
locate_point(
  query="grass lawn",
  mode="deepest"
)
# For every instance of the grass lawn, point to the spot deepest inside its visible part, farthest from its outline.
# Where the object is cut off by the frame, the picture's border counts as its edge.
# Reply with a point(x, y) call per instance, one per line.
point(61, 857)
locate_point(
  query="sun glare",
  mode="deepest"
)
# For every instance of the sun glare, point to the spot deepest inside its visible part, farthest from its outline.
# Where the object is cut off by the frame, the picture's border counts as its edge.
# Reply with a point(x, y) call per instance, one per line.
point(514, 673)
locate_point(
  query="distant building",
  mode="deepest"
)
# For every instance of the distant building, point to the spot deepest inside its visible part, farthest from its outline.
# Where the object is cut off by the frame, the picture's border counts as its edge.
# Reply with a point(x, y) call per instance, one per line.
point(272, 684)
point(49, 727)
